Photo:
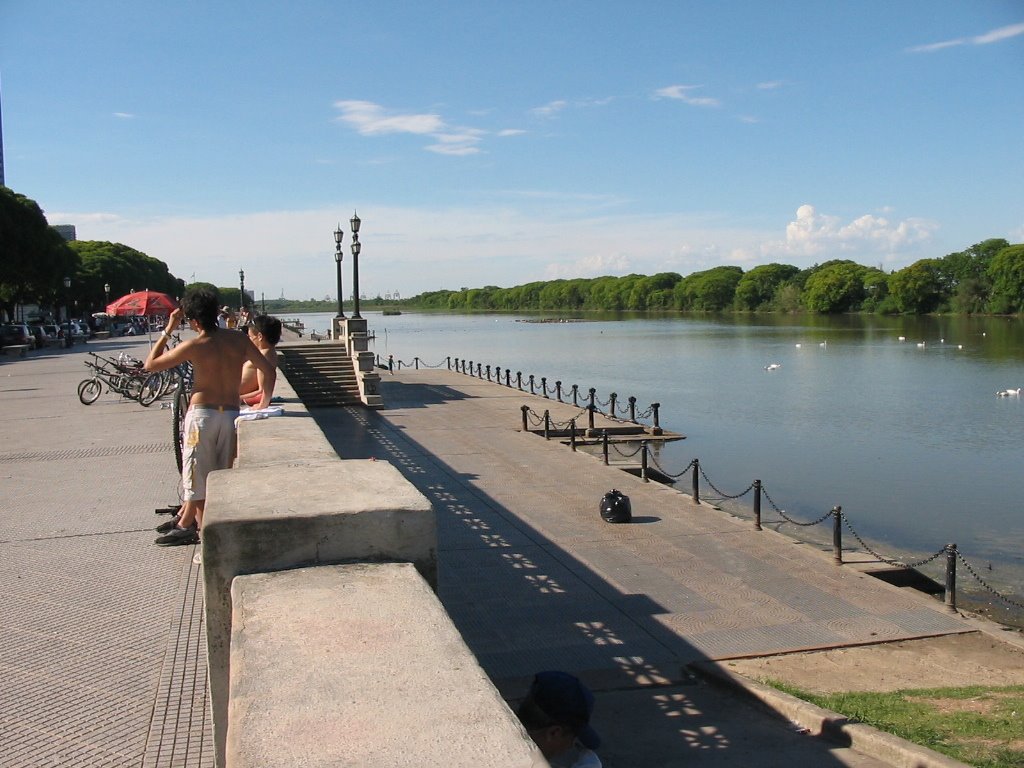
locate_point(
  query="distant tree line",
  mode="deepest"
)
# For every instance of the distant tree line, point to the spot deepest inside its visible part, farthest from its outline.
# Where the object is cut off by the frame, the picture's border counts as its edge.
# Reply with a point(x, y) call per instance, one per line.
point(985, 278)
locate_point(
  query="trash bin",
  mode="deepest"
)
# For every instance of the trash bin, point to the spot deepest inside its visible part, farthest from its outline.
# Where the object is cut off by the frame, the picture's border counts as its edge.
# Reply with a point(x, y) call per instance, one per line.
point(615, 507)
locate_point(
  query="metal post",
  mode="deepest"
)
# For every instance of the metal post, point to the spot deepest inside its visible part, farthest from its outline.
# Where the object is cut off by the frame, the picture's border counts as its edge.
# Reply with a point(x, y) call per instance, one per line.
point(479, 370)
point(604, 444)
point(837, 535)
point(531, 384)
point(593, 403)
point(696, 482)
point(391, 363)
point(951, 578)
point(572, 434)
point(519, 380)
point(632, 410)
point(657, 426)
point(547, 425)
point(590, 416)
point(508, 377)
point(544, 385)
point(558, 390)
point(524, 409)
point(611, 404)
point(488, 373)
point(643, 461)
point(449, 360)
point(575, 394)
point(757, 505)
point(417, 361)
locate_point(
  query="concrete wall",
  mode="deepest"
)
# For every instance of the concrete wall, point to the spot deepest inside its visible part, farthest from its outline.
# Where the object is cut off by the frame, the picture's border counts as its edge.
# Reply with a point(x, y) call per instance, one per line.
point(292, 503)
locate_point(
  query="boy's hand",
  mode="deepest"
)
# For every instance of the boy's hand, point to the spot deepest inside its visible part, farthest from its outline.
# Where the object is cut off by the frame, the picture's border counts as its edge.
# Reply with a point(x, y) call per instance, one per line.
point(174, 320)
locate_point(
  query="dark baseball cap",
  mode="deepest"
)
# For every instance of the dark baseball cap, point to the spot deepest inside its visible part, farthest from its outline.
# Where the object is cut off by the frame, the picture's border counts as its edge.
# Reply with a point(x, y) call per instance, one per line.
point(568, 702)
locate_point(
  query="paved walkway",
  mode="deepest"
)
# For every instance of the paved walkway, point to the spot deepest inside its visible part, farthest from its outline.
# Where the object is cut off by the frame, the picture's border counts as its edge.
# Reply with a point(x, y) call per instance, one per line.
point(101, 634)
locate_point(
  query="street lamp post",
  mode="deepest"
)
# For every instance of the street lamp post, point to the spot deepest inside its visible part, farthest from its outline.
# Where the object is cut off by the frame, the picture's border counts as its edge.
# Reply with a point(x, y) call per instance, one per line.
point(356, 247)
point(67, 299)
point(338, 235)
point(106, 292)
point(241, 283)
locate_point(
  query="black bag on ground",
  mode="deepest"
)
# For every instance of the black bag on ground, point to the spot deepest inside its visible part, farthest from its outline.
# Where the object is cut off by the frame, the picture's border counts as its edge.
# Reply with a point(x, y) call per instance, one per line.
point(615, 507)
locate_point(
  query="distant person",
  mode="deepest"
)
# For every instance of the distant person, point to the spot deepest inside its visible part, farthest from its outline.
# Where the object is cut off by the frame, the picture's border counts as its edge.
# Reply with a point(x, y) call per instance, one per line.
point(222, 317)
point(556, 713)
point(217, 357)
point(265, 333)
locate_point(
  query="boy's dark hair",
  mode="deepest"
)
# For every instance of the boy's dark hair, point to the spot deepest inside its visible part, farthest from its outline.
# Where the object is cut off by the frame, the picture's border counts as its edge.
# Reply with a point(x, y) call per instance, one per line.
point(200, 304)
point(269, 326)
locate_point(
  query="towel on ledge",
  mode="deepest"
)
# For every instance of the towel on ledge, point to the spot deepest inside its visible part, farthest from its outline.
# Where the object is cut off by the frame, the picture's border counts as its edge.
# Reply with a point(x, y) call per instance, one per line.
point(252, 414)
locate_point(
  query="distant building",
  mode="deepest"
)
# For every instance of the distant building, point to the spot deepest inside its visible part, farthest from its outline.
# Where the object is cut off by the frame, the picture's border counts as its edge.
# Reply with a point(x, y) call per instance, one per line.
point(67, 231)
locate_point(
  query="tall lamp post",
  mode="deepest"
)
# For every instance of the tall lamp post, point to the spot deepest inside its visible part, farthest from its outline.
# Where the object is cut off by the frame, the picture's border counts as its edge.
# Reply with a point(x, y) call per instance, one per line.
point(338, 235)
point(356, 247)
point(241, 283)
point(67, 299)
point(106, 292)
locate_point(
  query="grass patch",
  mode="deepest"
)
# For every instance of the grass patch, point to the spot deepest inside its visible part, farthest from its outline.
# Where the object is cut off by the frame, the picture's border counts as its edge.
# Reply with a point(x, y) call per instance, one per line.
point(979, 725)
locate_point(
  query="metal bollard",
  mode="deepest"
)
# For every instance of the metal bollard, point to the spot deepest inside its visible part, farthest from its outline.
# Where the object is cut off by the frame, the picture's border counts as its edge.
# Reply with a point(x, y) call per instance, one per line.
point(572, 434)
point(757, 505)
point(449, 361)
point(508, 377)
point(837, 535)
point(632, 410)
point(531, 384)
point(575, 394)
point(544, 385)
point(657, 425)
point(488, 373)
point(643, 462)
point(547, 425)
point(593, 405)
point(696, 482)
point(951, 578)
point(519, 380)
point(479, 370)
point(611, 404)
point(604, 444)
point(525, 409)
point(558, 390)
point(378, 358)
point(590, 416)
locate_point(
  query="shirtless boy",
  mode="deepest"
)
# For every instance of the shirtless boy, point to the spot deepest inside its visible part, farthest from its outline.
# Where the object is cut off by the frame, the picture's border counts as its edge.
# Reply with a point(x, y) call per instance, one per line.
point(265, 333)
point(217, 356)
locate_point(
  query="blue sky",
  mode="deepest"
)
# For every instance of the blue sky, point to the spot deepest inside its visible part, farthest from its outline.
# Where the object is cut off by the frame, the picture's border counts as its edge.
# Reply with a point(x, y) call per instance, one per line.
point(499, 143)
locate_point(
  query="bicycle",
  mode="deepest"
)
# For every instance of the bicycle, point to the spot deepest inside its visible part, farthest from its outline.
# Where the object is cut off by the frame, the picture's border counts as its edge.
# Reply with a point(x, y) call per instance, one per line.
point(125, 376)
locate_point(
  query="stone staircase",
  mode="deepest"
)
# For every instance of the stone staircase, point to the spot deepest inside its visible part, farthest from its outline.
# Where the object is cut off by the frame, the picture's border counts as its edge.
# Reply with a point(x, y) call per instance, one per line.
point(322, 375)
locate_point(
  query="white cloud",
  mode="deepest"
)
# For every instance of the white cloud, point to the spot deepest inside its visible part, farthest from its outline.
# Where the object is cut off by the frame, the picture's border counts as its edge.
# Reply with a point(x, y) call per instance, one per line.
point(550, 109)
point(770, 85)
point(682, 93)
point(813, 234)
point(992, 36)
point(371, 119)
point(592, 265)
point(511, 132)
point(124, 115)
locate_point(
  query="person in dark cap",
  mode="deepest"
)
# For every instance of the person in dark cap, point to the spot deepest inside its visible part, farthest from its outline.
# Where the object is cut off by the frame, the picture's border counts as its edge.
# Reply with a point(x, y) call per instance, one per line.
point(556, 713)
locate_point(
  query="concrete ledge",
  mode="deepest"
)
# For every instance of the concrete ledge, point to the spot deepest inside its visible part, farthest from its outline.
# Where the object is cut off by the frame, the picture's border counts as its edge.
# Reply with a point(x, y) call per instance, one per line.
point(273, 518)
point(329, 667)
point(830, 725)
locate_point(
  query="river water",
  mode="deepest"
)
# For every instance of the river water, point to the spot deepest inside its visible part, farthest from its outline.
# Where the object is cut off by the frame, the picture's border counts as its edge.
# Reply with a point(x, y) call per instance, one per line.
point(910, 440)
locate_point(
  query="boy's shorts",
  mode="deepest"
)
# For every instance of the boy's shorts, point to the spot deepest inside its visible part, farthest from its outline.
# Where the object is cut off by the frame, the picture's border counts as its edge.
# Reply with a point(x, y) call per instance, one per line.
point(209, 444)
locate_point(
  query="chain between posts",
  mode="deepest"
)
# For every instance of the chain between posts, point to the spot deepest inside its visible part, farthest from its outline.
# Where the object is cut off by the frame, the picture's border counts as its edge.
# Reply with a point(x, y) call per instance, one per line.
point(974, 573)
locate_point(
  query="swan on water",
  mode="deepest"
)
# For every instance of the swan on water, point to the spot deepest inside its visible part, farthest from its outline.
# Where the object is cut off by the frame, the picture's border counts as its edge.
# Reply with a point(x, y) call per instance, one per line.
point(798, 346)
point(920, 345)
point(773, 366)
point(1009, 393)
point(901, 338)
point(823, 344)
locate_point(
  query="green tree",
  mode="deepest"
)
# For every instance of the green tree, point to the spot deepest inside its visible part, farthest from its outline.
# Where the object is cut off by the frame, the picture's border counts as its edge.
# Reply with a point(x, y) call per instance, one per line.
point(836, 286)
point(756, 288)
point(918, 288)
point(709, 291)
point(35, 258)
point(123, 268)
point(1006, 271)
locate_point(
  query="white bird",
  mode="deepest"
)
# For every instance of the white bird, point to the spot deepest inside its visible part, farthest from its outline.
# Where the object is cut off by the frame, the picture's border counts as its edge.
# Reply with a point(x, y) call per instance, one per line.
point(920, 345)
point(798, 346)
point(942, 341)
point(773, 366)
point(823, 344)
point(1009, 393)
point(902, 338)
point(959, 346)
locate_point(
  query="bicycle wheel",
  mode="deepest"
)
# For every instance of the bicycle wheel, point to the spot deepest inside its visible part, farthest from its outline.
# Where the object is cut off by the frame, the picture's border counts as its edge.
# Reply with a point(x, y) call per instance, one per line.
point(151, 387)
point(178, 407)
point(133, 386)
point(89, 391)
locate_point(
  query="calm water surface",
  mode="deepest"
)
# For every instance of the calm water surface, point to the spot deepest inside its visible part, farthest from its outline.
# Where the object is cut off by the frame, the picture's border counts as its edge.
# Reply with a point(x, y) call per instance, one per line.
point(911, 441)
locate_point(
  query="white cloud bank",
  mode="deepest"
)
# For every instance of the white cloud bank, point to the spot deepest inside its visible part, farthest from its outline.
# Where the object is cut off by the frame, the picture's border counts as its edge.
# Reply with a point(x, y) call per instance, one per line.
point(683, 93)
point(418, 249)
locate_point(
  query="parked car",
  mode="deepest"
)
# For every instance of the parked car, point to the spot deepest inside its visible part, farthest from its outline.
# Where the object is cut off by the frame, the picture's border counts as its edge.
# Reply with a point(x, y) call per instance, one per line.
point(38, 336)
point(55, 335)
point(15, 334)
